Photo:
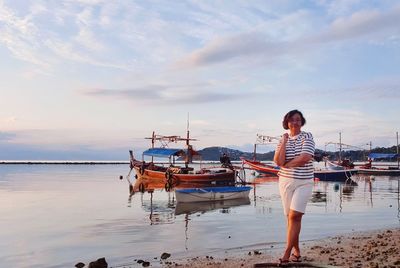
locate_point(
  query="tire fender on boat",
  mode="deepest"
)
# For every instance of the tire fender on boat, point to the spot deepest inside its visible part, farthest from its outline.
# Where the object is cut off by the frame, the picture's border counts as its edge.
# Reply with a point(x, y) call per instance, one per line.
point(141, 169)
point(141, 188)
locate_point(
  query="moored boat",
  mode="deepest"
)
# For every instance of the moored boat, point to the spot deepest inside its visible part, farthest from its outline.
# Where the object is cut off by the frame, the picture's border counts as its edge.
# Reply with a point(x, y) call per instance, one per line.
point(174, 174)
point(334, 174)
point(211, 194)
point(261, 167)
point(370, 169)
point(329, 173)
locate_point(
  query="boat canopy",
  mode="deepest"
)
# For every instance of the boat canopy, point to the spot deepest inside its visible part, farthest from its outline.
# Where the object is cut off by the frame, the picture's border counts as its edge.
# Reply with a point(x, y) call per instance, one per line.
point(374, 156)
point(163, 152)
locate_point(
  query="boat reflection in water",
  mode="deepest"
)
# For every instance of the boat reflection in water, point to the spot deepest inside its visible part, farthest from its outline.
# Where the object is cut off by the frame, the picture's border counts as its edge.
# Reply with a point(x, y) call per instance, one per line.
point(202, 207)
point(163, 211)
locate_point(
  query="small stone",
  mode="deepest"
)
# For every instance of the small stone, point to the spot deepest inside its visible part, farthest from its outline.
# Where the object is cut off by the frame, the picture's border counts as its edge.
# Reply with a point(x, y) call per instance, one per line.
point(146, 264)
point(165, 256)
point(256, 252)
point(80, 265)
point(100, 263)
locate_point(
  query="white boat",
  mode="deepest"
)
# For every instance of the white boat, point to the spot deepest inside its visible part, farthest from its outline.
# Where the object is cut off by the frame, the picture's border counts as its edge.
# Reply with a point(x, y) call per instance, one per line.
point(211, 194)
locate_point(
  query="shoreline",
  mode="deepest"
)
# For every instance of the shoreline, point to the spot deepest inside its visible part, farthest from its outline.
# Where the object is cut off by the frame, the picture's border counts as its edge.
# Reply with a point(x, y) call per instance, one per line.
point(377, 248)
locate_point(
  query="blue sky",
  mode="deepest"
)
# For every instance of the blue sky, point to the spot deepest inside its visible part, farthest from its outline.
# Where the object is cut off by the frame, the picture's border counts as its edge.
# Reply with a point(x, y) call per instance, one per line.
point(90, 79)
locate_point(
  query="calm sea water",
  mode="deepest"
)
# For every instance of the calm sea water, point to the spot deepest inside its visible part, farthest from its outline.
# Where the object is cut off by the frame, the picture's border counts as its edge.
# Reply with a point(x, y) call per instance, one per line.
point(58, 215)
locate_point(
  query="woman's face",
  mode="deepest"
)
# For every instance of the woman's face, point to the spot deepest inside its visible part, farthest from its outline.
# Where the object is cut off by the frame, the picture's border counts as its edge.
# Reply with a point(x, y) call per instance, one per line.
point(294, 122)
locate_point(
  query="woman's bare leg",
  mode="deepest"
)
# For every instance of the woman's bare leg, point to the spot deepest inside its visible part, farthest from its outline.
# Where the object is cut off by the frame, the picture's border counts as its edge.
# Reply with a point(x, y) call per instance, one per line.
point(293, 233)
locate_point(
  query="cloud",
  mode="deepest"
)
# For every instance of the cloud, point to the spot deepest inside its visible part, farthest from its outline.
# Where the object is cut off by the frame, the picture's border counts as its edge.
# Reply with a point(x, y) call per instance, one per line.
point(359, 24)
point(256, 45)
point(384, 89)
point(19, 35)
point(8, 120)
point(6, 136)
point(223, 49)
point(164, 95)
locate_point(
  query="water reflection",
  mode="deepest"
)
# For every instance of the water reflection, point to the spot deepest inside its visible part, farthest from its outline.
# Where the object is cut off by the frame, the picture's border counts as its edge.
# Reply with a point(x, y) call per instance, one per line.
point(161, 211)
point(66, 217)
point(203, 207)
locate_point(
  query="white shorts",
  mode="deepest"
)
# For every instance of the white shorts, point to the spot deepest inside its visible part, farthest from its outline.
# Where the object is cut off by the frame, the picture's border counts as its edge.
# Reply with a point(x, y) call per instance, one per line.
point(295, 193)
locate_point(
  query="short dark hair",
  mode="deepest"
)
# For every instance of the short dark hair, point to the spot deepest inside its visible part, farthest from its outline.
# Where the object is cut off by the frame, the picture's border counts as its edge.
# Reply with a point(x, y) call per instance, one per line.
point(289, 115)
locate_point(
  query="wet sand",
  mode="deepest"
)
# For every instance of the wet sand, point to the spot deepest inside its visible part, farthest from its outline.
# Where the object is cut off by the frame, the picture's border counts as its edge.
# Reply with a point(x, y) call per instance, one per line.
point(367, 249)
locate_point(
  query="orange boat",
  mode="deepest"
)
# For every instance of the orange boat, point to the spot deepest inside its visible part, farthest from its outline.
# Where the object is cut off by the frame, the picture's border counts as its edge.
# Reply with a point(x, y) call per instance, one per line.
point(173, 174)
point(261, 167)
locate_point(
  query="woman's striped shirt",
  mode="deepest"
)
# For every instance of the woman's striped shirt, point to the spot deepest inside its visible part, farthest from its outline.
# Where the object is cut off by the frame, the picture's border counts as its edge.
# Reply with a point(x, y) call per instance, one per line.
point(302, 143)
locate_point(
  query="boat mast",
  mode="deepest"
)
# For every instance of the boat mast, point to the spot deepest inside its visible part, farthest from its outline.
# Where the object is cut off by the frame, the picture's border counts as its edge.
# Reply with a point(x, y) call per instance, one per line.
point(340, 147)
point(188, 157)
point(397, 149)
point(153, 140)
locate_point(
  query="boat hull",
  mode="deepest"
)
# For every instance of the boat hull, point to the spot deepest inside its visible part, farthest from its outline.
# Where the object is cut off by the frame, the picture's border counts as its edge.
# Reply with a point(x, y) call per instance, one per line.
point(261, 167)
point(334, 175)
point(379, 172)
point(211, 194)
point(225, 176)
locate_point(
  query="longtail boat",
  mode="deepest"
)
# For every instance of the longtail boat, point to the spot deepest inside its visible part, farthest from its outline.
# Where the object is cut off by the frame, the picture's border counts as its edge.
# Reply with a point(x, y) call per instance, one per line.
point(261, 167)
point(370, 169)
point(327, 174)
point(175, 174)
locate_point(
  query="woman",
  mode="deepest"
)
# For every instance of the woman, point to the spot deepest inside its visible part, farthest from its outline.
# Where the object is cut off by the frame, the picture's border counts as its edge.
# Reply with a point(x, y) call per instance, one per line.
point(294, 154)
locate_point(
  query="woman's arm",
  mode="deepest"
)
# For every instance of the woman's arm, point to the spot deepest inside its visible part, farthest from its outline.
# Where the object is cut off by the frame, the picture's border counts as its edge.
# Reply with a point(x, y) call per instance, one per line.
point(298, 161)
point(280, 153)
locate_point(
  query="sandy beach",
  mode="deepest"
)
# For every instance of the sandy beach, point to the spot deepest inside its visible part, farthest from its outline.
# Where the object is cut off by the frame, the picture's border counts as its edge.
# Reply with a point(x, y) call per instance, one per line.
point(375, 249)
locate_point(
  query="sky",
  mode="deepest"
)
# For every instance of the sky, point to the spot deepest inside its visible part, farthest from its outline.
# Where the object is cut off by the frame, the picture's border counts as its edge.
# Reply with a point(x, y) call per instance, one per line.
point(89, 79)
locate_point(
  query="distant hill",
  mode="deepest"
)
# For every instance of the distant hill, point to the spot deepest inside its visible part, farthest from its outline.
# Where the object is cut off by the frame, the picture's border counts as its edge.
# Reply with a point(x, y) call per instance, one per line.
point(214, 153)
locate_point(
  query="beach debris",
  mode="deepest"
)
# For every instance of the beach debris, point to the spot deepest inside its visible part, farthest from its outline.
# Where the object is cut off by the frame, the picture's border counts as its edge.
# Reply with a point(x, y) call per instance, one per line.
point(256, 252)
point(100, 263)
point(165, 256)
point(80, 265)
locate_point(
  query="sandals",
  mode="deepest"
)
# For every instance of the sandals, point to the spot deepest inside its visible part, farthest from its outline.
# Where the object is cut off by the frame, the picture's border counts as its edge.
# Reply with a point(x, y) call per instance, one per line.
point(283, 262)
point(295, 258)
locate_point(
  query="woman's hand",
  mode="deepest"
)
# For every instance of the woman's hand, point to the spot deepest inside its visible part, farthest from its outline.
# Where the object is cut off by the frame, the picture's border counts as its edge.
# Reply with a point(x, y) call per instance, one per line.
point(280, 153)
point(285, 137)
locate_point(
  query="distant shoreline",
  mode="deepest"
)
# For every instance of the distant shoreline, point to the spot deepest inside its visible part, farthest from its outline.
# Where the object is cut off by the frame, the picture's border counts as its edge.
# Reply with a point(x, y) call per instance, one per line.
point(83, 162)
point(64, 162)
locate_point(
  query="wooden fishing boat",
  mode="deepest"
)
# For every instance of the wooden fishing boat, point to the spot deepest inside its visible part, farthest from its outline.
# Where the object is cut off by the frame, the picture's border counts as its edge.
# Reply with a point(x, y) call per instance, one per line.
point(173, 174)
point(380, 171)
point(330, 173)
point(334, 174)
point(370, 169)
point(211, 194)
point(261, 167)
